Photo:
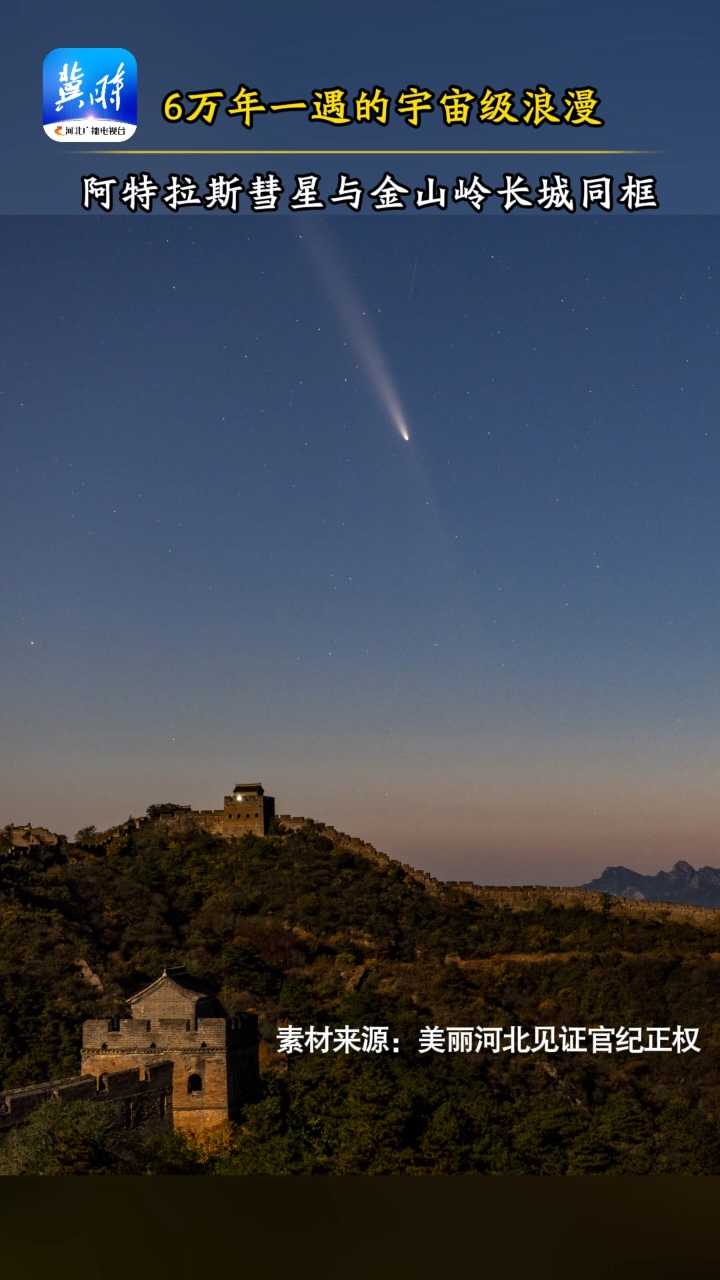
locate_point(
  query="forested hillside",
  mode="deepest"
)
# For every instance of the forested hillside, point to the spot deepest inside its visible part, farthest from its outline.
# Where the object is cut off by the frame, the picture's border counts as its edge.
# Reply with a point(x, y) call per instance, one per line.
point(300, 930)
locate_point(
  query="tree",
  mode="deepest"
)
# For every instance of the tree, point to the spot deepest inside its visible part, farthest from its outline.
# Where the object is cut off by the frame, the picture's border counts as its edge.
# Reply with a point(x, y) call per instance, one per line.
point(86, 836)
point(161, 810)
point(86, 1138)
point(77, 1138)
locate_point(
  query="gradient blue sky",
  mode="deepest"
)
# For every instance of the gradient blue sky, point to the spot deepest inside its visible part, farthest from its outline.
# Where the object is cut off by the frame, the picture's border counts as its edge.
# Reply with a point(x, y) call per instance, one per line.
point(491, 651)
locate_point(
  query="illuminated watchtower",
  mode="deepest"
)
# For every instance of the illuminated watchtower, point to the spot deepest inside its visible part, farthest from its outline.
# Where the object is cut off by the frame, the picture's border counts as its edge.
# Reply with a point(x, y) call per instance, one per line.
point(248, 809)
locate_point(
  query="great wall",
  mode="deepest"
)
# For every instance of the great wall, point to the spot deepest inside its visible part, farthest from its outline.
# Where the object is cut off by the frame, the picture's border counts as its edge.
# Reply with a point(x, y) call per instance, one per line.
point(137, 1096)
point(178, 1060)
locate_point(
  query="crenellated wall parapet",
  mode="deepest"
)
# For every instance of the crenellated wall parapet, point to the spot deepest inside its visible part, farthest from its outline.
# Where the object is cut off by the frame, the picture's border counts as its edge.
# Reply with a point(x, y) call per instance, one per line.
point(157, 1034)
point(138, 1096)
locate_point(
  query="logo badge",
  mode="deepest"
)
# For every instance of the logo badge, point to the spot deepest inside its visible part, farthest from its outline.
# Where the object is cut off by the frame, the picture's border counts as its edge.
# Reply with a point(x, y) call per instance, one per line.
point(89, 95)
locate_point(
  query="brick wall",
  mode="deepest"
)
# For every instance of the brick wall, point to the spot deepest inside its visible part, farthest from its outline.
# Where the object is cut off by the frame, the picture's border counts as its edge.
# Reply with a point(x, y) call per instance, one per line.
point(137, 1096)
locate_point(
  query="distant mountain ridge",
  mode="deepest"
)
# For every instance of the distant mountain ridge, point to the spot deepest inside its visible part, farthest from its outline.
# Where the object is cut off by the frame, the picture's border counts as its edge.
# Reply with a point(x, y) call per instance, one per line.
point(698, 887)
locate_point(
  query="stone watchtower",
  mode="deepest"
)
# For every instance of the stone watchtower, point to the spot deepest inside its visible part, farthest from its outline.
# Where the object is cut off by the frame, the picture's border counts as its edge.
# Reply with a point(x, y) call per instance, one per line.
point(215, 1058)
point(248, 809)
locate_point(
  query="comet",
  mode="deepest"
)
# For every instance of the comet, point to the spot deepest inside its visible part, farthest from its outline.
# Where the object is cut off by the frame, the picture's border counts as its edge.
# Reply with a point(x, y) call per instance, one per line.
point(355, 321)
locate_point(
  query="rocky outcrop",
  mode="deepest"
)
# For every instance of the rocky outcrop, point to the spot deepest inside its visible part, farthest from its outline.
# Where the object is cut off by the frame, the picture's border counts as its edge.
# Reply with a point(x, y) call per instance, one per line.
point(682, 883)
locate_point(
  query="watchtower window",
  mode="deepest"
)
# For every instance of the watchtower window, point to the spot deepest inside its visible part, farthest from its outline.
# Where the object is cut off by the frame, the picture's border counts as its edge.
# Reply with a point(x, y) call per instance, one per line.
point(194, 1083)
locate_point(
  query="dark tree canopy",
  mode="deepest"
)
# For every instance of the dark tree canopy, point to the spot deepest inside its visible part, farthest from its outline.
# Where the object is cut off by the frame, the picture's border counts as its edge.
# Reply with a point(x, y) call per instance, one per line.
point(298, 930)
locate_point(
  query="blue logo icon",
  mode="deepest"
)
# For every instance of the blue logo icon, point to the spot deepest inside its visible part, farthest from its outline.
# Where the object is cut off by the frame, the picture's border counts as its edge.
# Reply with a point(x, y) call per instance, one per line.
point(89, 95)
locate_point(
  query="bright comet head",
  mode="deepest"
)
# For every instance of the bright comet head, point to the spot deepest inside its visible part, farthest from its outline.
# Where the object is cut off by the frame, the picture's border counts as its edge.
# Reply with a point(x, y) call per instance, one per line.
point(359, 330)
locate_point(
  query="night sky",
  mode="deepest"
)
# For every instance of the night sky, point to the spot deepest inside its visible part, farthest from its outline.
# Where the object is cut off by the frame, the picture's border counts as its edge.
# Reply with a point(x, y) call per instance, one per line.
point(491, 650)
